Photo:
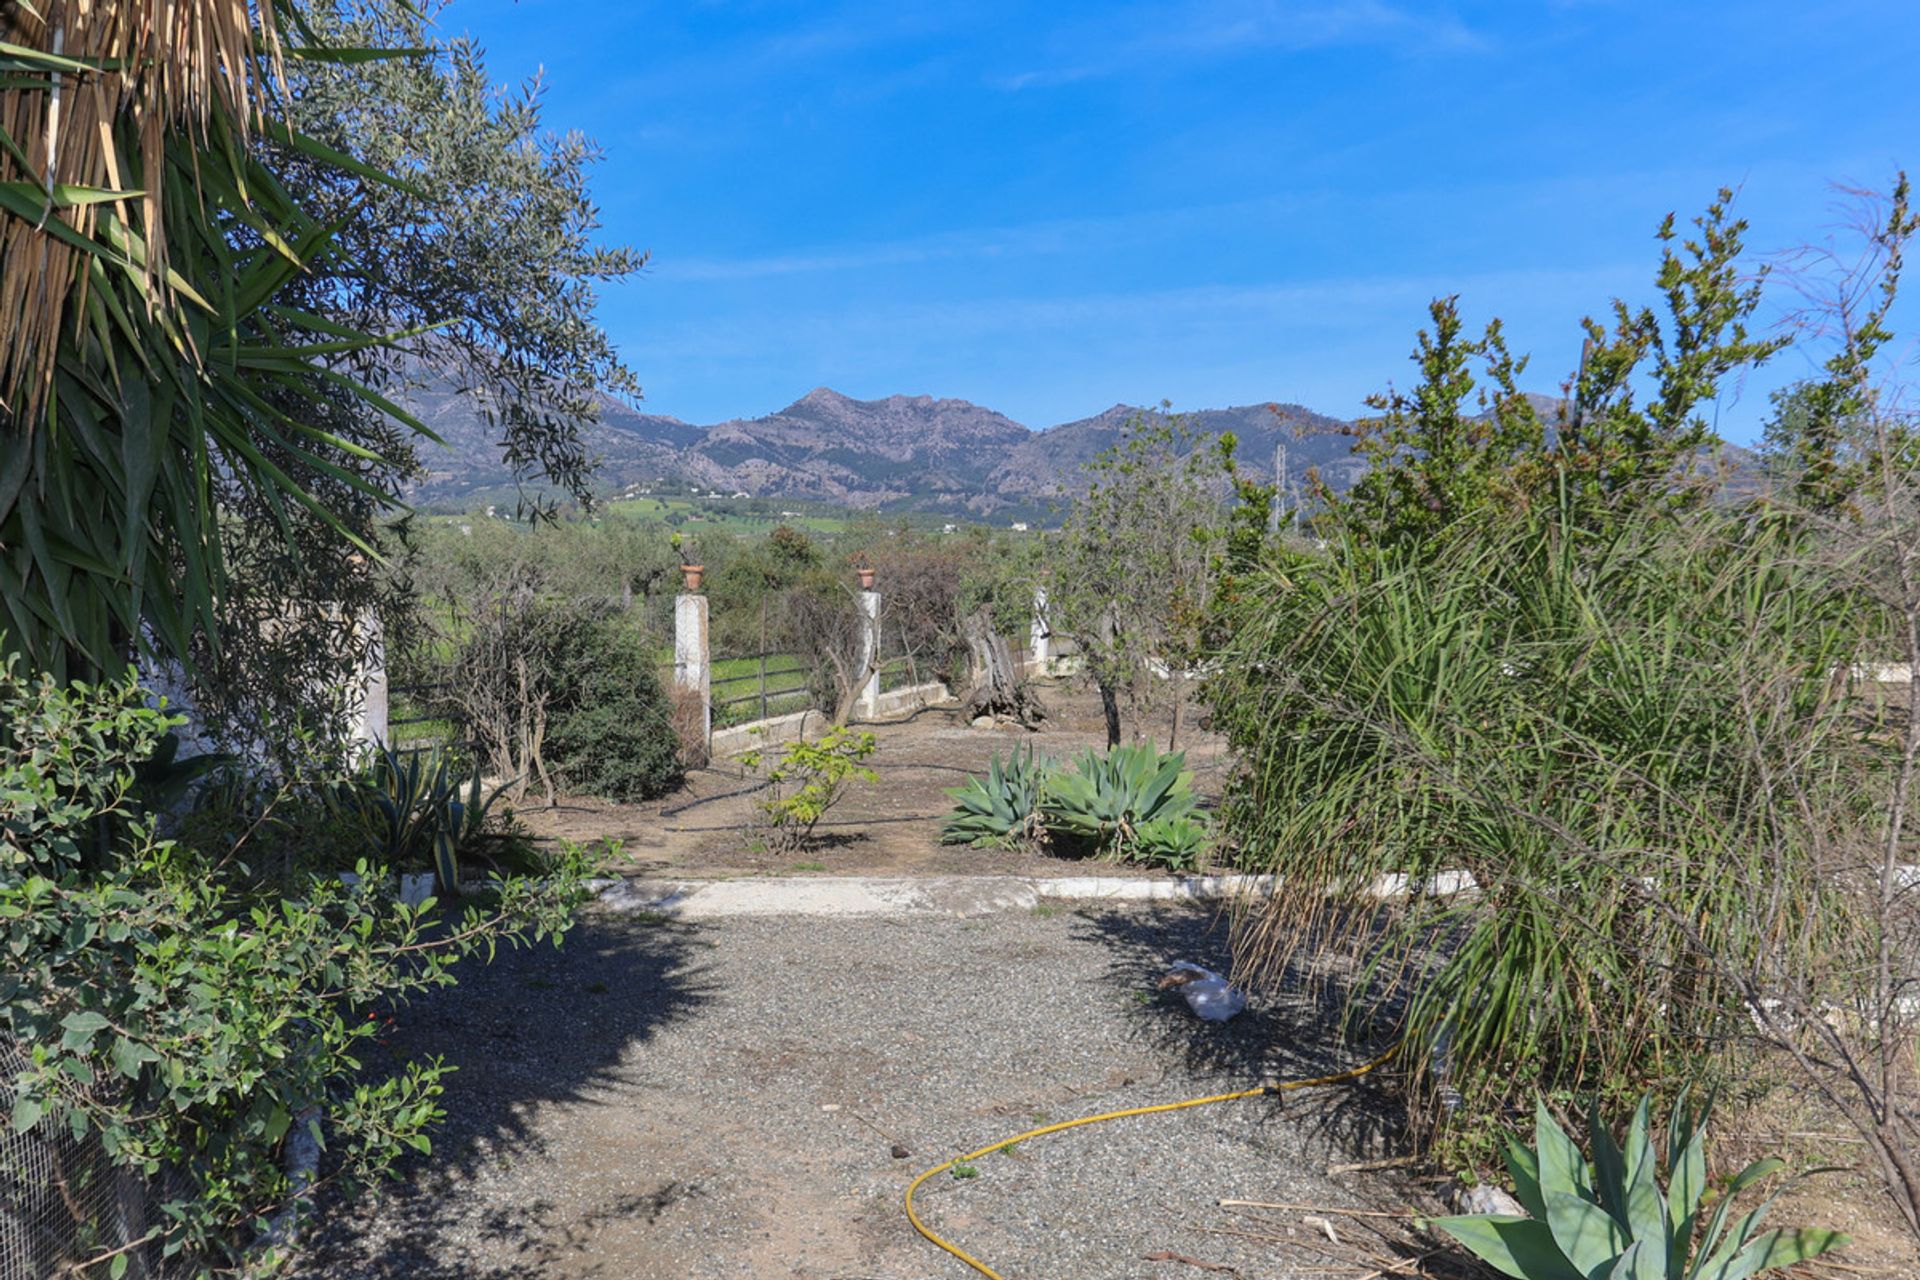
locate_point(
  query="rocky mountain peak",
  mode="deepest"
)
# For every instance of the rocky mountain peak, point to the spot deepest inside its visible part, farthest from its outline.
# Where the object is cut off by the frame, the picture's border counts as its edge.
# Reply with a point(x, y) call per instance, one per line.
point(919, 451)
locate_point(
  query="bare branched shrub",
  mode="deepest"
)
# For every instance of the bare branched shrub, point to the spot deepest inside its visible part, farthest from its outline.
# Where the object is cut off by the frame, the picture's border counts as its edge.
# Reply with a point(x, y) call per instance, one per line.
point(1840, 999)
point(823, 621)
point(499, 678)
point(921, 599)
point(1838, 995)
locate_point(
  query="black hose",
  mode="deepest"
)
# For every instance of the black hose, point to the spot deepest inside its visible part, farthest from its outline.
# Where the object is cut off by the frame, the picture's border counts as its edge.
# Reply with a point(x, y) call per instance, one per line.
point(850, 822)
point(724, 795)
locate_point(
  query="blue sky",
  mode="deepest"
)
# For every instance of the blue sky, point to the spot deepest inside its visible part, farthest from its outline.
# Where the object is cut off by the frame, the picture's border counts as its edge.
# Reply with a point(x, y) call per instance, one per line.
point(1052, 208)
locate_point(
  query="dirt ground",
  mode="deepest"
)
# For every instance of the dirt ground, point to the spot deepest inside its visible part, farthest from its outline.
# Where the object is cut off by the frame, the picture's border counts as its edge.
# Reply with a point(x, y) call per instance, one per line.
point(750, 1097)
point(888, 827)
point(691, 1100)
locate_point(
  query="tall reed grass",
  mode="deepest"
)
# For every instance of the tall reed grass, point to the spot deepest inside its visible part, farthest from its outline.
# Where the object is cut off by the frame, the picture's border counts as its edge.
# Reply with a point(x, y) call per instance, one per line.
point(1595, 726)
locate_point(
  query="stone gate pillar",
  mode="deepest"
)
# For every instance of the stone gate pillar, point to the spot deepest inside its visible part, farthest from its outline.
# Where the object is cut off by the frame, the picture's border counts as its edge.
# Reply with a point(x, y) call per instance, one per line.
point(869, 701)
point(692, 670)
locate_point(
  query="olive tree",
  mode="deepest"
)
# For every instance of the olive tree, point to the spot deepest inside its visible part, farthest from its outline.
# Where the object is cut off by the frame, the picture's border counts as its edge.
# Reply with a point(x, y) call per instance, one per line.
point(1133, 570)
point(485, 253)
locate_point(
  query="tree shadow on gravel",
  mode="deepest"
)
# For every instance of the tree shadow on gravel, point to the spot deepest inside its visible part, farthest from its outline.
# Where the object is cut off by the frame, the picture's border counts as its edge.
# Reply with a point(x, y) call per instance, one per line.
point(538, 1025)
point(1291, 1029)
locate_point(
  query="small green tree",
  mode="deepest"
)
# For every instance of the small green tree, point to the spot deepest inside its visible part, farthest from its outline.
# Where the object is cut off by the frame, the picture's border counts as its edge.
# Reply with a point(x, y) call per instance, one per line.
point(1820, 433)
point(1615, 449)
point(808, 780)
point(1434, 455)
point(1133, 570)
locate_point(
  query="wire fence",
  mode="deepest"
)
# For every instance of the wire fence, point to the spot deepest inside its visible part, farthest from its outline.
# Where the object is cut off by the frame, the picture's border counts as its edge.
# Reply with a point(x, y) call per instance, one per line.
point(63, 1203)
point(420, 719)
point(760, 685)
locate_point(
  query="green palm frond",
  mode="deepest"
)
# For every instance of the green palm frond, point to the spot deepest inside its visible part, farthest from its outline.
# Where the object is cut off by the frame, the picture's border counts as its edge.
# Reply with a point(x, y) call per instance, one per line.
point(172, 375)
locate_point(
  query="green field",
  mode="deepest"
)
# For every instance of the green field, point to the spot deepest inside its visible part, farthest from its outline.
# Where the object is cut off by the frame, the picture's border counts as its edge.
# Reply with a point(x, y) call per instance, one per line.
point(731, 515)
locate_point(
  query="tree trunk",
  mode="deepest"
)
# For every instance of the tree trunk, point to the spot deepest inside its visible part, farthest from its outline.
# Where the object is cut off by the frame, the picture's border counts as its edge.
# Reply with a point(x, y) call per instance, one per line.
point(1110, 703)
point(999, 688)
point(850, 688)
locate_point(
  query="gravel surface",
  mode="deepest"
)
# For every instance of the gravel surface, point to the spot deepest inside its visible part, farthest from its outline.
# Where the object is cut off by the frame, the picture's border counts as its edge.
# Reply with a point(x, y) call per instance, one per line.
point(722, 1099)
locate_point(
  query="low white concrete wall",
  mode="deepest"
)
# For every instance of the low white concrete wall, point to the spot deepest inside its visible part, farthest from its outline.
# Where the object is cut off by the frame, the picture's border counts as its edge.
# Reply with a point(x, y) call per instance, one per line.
point(734, 739)
point(775, 730)
point(951, 895)
point(911, 698)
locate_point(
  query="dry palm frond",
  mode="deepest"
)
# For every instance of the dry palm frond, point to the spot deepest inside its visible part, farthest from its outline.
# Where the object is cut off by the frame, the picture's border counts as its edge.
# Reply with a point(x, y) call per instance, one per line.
point(89, 91)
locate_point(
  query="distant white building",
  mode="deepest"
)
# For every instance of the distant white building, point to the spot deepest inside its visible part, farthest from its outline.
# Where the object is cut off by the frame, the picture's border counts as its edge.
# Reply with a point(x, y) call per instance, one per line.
point(948, 528)
point(1019, 526)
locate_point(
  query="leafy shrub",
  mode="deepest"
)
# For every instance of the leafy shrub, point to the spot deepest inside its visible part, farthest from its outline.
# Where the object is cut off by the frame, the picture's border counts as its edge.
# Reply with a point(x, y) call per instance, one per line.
point(809, 779)
point(169, 1005)
point(1004, 808)
point(610, 731)
point(1132, 802)
point(1610, 1218)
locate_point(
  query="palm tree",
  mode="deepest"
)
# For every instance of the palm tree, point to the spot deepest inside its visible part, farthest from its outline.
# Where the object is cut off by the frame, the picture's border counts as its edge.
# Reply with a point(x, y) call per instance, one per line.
point(145, 361)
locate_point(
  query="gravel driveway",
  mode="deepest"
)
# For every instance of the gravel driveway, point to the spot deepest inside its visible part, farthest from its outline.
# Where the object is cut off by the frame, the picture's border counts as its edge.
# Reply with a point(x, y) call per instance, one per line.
point(722, 1099)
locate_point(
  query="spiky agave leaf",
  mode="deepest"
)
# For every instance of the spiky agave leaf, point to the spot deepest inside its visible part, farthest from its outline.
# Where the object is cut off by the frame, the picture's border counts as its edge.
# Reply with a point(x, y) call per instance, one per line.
point(1611, 1221)
point(1004, 808)
point(1110, 802)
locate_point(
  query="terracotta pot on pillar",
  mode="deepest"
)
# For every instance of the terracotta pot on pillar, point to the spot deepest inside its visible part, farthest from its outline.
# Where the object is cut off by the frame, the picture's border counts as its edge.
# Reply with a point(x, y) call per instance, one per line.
point(693, 574)
point(866, 578)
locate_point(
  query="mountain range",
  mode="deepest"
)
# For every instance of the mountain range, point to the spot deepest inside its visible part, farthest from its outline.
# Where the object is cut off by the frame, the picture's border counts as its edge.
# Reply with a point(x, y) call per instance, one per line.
point(897, 453)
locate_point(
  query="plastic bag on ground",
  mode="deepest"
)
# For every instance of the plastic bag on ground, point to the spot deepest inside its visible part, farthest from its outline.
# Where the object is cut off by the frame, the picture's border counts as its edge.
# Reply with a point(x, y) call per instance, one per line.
point(1210, 996)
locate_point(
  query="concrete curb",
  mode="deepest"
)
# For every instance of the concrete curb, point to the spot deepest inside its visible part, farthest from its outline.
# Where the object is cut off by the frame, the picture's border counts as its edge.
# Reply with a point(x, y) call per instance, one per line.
point(906, 896)
point(955, 895)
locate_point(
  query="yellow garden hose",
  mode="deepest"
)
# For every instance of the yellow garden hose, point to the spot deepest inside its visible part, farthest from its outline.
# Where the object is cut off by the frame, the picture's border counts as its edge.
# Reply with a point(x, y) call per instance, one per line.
point(1352, 1073)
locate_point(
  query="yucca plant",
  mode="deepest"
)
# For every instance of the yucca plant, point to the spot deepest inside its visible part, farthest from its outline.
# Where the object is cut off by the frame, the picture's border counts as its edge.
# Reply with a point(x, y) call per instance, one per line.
point(1126, 803)
point(148, 357)
point(414, 806)
point(1610, 1220)
point(1553, 712)
point(1002, 809)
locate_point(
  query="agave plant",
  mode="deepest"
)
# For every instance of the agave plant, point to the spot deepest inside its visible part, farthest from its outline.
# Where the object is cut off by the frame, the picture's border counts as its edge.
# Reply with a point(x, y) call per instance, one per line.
point(416, 804)
point(1609, 1220)
point(1003, 809)
point(1175, 842)
point(1131, 802)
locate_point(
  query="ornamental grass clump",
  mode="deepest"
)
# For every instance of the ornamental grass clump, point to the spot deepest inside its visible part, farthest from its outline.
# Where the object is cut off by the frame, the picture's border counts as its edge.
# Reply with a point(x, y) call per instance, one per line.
point(1589, 719)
